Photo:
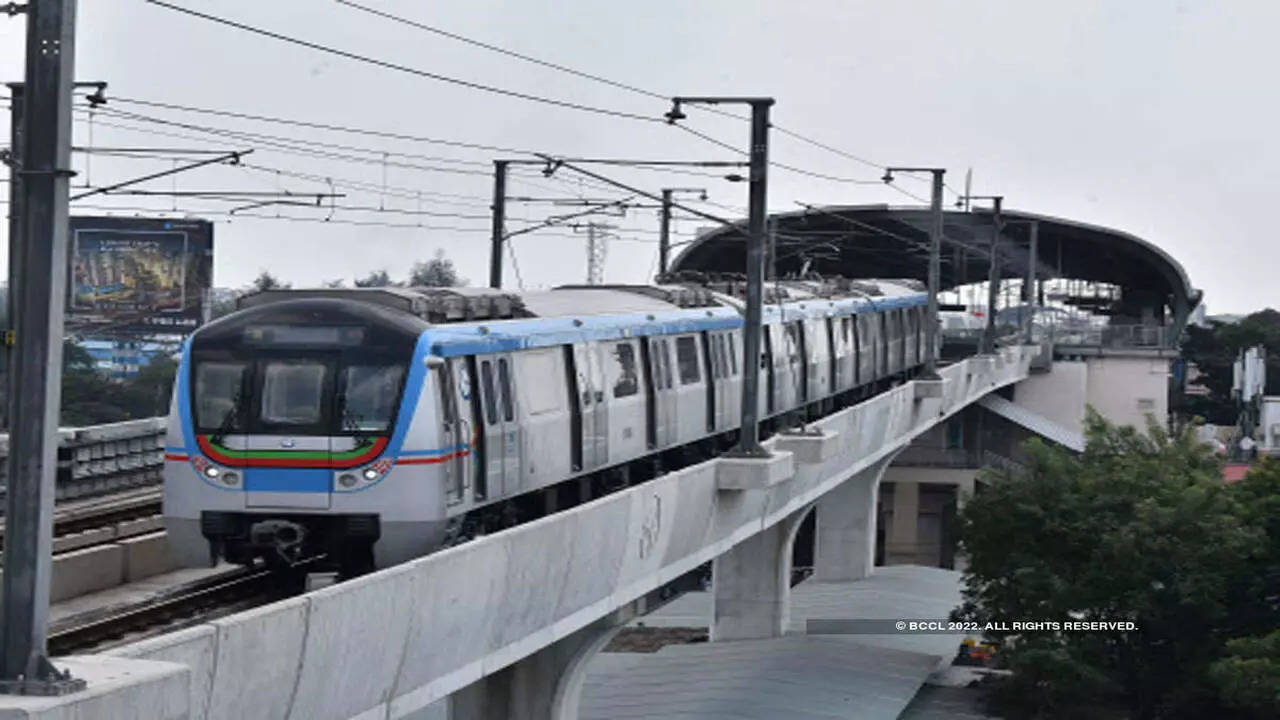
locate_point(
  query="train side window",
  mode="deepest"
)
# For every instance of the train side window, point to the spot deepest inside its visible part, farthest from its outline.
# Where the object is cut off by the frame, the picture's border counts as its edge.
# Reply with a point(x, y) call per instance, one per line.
point(490, 404)
point(687, 359)
point(627, 382)
point(723, 346)
point(666, 364)
point(716, 371)
point(504, 379)
point(733, 355)
point(655, 362)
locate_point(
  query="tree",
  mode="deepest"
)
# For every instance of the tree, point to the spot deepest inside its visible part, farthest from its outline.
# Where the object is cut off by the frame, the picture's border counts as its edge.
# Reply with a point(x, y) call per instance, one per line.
point(267, 281)
point(339, 283)
point(89, 397)
point(1249, 676)
point(1137, 528)
point(378, 278)
point(436, 272)
point(1213, 350)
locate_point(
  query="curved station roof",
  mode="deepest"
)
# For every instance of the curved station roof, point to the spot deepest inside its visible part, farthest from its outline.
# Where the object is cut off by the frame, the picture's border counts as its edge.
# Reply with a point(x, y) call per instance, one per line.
point(880, 241)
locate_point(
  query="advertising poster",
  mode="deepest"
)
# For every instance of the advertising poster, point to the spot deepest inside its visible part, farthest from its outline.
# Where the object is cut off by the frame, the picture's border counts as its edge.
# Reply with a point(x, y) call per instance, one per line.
point(138, 275)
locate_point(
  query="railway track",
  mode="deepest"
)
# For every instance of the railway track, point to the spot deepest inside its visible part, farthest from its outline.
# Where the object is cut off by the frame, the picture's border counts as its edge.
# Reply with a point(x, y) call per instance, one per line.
point(87, 515)
point(178, 608)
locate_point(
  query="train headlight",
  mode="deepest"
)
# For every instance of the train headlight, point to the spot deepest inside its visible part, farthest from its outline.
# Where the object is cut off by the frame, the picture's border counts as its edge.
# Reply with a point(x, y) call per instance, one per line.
point(211, 471)
point(346, 480)
point(370, 474)
point(229, 478)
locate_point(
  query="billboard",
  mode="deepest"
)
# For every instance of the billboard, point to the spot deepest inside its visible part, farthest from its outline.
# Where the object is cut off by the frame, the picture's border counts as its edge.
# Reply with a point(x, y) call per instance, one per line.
point(147, 276)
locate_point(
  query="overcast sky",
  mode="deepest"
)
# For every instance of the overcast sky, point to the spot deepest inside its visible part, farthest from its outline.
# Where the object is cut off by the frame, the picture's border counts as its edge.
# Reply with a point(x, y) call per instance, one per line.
point(1149, 116)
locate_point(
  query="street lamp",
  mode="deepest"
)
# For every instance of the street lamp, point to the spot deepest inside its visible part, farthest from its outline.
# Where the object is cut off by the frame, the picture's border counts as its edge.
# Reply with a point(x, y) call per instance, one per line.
point(935, 264)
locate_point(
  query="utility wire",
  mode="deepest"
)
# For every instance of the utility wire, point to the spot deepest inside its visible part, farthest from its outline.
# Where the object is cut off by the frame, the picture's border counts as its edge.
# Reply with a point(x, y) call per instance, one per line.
point(406, 69)
point(606, 81)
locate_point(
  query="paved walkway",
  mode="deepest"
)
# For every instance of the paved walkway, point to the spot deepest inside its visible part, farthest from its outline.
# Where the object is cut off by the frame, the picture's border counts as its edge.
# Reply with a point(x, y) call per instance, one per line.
point(798, 676)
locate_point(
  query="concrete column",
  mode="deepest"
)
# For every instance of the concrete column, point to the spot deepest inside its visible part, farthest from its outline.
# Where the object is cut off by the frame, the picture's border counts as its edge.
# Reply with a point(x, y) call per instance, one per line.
point(902, 544)
point(845, 537)
point(751, 585)
point(544, 686)
point(964, 491)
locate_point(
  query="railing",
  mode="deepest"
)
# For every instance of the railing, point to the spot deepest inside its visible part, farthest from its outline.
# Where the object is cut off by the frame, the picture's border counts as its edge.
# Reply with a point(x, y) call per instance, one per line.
point(103, 458)
point(1113, 336)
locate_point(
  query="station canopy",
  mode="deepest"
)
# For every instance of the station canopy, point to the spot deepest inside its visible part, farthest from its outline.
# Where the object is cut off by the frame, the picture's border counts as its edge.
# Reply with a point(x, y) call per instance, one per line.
point(880, 241)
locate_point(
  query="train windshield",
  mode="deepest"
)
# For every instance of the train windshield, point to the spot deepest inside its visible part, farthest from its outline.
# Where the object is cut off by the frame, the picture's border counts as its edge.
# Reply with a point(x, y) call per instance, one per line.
point(314, 395)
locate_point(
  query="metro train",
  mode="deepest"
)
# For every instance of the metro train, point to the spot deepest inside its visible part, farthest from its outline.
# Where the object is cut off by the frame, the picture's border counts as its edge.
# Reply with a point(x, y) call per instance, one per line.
point(372, 426)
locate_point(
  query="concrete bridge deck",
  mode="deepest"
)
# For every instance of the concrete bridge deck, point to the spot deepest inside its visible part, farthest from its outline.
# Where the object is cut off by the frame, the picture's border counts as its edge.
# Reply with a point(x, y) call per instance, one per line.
point(516, 615)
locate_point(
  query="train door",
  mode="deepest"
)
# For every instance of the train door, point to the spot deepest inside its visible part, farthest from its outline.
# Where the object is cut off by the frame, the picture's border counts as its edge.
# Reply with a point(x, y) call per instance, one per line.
point(711, 373)
point(508, 417)
point(292, 419)
point(666, 426)
point(490, 421)
point(817, 348)
point(842, 337)
point(691, 392)
point(627, 401)
point(589, 377)
point(458, 425)
point(732, 386)
point(726, 370)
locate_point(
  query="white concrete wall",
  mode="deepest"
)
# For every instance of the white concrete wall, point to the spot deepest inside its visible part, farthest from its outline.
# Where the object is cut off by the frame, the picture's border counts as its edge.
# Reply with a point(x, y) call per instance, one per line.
point(1269, 427)
point(390, 644)
point(1121, 388)
point(1058, 395)
point(1124, 389)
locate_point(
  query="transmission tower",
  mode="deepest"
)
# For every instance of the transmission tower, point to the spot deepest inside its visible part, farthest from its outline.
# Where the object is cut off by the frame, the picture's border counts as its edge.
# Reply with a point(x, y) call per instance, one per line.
point(597, 248)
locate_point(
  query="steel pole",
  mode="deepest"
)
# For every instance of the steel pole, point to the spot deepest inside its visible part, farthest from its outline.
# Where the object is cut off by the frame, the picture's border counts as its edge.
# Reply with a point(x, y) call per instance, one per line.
point(749, 439)
point(17, 94)
point(499, 222)
point(1029, 291)
point(935, 272)
point(664, 234)
point(37, 354)
point(993, 281)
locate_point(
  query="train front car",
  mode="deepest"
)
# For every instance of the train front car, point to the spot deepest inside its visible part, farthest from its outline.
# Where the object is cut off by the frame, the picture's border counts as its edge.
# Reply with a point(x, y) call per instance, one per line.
point(287, 421)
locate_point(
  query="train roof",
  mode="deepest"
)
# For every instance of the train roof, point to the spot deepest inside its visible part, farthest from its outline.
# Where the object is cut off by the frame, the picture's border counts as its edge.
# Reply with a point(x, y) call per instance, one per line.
point(620, 304)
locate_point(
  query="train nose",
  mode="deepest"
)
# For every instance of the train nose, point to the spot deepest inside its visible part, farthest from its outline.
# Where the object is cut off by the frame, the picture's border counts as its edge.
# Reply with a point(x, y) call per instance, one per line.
point(282, 536)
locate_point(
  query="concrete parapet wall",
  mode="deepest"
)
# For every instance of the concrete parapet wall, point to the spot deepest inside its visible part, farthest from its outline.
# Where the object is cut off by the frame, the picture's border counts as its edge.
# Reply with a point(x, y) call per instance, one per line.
point(118, 688)
point(87, 562)
point(389, 644)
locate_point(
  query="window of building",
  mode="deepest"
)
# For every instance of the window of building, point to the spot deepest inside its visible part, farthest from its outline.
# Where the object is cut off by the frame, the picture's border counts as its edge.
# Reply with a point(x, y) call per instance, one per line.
point(687, 359)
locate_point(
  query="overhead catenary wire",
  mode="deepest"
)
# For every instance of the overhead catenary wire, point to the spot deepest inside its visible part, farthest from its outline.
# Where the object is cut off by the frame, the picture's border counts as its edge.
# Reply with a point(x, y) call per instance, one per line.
point(613, 83)
point(407, 69)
